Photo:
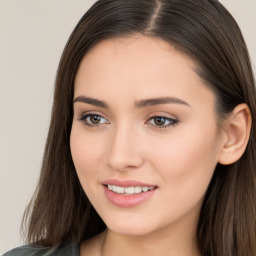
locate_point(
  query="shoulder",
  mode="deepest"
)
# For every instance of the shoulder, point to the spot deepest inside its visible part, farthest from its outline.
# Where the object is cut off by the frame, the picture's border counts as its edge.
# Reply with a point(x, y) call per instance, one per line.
point(31, 250)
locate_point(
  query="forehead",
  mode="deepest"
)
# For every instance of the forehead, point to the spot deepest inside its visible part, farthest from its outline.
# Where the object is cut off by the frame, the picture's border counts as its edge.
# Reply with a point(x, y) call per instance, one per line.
point(133, 42)
point(130, 56)
point(138, 66)
point(136, 48)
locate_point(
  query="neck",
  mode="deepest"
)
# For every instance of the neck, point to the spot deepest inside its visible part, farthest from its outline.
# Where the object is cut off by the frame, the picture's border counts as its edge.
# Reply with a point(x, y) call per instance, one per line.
point(166, 241)
point(176, 239)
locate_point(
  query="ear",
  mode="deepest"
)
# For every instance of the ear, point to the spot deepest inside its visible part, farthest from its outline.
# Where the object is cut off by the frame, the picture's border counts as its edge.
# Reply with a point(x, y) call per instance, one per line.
point(236, 134)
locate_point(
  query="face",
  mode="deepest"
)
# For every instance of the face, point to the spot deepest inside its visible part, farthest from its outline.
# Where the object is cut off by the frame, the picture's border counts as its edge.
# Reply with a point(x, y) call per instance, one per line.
point(144, 137)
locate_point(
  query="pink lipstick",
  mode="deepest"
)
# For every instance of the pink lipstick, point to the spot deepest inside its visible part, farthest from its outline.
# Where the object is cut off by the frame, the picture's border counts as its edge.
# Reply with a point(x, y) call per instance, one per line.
point(127, 193)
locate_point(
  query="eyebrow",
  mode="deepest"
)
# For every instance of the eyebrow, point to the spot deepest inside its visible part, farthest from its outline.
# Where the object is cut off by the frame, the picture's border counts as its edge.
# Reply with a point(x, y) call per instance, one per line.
point(158, 101)
point(91, 101)
point(139, 104)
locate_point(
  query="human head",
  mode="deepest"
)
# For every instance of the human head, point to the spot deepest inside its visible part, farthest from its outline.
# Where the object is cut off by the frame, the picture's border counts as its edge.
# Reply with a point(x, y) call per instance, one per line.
point(206, 33)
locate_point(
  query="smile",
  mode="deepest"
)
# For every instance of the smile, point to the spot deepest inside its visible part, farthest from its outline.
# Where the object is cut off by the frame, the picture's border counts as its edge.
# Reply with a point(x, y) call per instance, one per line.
point(129, 190)
point(128, 193)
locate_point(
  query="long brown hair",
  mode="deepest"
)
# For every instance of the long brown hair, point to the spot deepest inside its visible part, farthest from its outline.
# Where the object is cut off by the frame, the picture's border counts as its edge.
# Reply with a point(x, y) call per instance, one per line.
point(205, 31)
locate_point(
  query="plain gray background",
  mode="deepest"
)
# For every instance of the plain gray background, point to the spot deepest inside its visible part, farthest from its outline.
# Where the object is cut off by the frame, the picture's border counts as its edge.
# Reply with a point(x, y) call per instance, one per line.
point(32, 36)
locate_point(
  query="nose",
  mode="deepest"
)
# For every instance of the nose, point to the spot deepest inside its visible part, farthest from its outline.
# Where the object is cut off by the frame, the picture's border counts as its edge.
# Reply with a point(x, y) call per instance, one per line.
point(124, 152)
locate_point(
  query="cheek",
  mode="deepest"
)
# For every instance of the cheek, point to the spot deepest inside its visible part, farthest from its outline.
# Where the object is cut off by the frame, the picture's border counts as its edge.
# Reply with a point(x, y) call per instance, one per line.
point(86, 153)
point(186, 163)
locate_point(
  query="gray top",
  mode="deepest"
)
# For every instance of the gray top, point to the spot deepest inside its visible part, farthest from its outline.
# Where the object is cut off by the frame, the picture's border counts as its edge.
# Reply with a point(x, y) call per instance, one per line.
point(30, 250)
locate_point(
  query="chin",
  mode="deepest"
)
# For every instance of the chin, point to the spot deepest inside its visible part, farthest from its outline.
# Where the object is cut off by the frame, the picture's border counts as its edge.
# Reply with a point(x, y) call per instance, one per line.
point(130, 226)
point(130, 231)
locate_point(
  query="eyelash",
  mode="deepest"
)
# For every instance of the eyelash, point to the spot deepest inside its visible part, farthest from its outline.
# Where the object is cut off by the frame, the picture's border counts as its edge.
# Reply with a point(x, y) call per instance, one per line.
point(172, 122)
point(83, 118)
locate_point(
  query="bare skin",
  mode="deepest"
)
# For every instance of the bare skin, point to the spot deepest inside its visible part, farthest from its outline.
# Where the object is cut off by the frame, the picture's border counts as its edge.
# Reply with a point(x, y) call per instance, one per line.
point(93, 246)
point(107, 243)
point(177, 153)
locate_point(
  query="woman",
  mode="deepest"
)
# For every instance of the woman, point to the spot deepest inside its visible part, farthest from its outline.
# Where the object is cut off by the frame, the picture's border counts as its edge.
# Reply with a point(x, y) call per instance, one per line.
point(151, 147)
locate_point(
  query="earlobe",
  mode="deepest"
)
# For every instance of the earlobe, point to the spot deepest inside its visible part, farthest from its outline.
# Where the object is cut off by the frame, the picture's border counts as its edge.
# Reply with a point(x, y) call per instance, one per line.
point(236, 134)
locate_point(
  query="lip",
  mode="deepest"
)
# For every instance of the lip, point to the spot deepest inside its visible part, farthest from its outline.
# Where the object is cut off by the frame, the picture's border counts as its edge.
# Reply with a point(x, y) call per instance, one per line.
point(127, 183)
point(126, 201)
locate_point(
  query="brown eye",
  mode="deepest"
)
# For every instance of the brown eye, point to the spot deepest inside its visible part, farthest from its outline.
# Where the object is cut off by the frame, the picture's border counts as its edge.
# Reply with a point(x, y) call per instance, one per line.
point(94, 119)
point(162, 121)
point(159, 121)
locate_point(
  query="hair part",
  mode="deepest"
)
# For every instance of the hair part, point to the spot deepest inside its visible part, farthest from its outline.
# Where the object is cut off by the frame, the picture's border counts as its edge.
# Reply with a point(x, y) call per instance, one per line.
point(60, 212)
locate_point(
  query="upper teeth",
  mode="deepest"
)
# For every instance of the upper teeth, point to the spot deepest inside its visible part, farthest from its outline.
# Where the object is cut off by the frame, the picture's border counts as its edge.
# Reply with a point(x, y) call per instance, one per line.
point(128, 190)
